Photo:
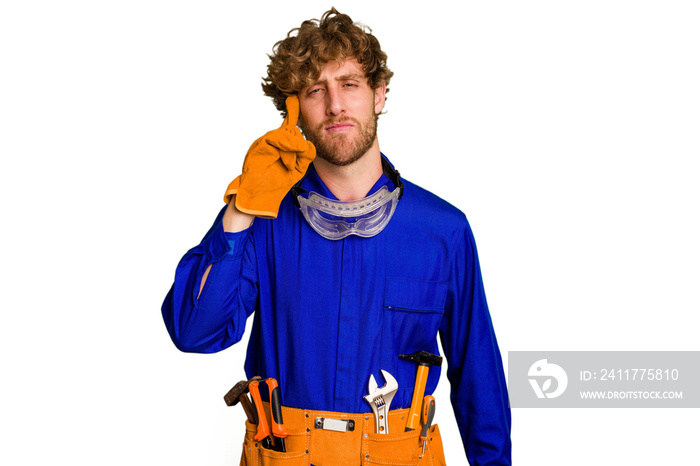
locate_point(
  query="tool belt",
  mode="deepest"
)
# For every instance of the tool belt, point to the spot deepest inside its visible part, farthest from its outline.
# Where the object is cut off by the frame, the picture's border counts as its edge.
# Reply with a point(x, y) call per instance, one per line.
point(324, 438)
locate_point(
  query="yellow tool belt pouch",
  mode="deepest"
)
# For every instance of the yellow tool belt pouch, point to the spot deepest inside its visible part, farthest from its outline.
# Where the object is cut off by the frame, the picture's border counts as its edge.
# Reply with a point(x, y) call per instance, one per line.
point(350, 440)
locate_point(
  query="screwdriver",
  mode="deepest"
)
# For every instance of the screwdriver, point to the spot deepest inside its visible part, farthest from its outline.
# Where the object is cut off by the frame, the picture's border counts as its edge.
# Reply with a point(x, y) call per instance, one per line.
point(427, 416)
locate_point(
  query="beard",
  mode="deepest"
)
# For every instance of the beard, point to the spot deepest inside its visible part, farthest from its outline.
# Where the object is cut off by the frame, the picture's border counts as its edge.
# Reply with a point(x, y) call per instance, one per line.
point(342, 149)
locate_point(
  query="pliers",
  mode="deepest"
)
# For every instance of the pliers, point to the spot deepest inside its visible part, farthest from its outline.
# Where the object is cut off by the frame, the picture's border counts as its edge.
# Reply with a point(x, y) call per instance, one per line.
point(272, 439)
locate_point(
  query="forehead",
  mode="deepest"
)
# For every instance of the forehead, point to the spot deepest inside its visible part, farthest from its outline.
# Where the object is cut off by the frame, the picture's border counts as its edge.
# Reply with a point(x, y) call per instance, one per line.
point(348, 68)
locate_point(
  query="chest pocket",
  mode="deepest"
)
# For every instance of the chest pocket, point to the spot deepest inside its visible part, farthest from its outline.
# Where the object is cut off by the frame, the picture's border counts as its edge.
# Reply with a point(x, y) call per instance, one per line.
point(412, 313)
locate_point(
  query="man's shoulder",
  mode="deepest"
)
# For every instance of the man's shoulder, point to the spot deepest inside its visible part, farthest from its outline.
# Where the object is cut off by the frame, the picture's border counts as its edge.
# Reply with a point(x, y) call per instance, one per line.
point(429, 205)
point(425, 199)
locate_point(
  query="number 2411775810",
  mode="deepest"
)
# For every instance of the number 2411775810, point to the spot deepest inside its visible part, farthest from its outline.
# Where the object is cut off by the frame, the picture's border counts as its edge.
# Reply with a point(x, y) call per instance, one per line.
point(638, 374)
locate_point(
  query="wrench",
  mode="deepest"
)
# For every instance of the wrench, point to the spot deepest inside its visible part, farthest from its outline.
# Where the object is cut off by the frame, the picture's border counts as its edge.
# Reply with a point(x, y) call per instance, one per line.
point(380, 399)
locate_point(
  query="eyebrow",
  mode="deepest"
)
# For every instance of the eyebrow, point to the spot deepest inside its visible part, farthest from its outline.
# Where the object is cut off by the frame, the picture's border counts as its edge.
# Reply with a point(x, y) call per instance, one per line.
point(345, 77)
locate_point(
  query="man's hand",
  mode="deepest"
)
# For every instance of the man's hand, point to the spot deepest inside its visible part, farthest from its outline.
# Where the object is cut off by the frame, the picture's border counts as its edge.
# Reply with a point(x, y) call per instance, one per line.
point(273, 164)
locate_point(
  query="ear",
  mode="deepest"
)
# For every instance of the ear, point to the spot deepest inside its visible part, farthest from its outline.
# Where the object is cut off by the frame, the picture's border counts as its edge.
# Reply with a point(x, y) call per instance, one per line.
point(379, 98)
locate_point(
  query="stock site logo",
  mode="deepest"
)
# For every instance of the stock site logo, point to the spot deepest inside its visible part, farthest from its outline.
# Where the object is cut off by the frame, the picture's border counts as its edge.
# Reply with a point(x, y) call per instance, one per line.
point(544, 372)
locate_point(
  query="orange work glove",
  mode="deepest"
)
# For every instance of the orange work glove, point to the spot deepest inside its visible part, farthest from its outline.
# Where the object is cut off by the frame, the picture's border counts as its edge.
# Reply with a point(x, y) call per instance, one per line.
point(273, 164)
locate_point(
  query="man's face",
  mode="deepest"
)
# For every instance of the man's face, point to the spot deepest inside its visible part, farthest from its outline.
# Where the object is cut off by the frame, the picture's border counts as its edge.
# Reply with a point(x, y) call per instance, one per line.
point(339, 112)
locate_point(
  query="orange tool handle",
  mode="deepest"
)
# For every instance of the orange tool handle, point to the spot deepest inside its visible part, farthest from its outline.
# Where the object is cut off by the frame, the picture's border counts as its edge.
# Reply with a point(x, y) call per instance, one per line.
point(428, 414)
point(263, 427)
point(418, 391)
point(278, 429)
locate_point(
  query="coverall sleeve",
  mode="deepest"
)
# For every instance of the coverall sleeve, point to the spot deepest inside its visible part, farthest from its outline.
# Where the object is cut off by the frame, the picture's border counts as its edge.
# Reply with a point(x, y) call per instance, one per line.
point(475, 370)
point(216, 319)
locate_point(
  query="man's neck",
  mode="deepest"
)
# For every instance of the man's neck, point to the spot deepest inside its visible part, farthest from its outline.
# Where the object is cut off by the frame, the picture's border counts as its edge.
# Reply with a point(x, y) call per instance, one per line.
point(351, 182)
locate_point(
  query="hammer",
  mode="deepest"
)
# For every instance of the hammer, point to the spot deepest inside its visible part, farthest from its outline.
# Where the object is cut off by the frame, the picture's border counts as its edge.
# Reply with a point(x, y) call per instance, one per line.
point(424, 361)
point(239, 393)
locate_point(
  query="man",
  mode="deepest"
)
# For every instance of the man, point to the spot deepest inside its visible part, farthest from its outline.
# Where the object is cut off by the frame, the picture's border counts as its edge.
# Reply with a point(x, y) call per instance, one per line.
point(346, 267)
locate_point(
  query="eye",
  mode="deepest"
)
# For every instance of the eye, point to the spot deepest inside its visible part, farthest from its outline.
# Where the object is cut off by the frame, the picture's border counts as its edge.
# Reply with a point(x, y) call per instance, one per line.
point(314, 91)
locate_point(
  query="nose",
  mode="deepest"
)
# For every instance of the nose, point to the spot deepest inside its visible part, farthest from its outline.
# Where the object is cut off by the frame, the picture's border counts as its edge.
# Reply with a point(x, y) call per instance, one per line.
point(335, 104)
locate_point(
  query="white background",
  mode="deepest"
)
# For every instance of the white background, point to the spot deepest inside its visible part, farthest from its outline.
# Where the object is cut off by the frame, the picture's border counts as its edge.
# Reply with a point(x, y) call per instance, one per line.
point(567, 131)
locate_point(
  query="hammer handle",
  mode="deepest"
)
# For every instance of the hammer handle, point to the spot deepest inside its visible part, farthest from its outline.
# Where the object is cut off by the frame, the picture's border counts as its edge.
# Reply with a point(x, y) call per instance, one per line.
point(417, 402)
point(248, 408)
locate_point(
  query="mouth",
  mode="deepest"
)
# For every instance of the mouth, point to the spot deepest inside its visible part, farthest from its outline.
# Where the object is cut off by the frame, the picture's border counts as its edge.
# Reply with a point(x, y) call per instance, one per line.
point(339, 127)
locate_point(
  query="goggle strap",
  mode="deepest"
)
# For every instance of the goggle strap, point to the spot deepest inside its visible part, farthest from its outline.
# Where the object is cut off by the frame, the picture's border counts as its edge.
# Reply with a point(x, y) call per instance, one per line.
point(390, 172)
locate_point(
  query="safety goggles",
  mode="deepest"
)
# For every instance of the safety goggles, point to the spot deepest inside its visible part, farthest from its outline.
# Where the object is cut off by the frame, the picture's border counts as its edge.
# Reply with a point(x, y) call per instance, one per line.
point(365, 217)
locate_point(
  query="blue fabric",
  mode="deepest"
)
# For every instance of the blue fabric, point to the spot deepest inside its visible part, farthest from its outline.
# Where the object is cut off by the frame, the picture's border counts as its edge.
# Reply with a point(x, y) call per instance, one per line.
point(327, 314)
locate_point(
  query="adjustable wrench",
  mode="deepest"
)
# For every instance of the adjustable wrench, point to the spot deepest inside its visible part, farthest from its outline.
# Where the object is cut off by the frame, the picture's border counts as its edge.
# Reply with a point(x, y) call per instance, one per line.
point(380, 399)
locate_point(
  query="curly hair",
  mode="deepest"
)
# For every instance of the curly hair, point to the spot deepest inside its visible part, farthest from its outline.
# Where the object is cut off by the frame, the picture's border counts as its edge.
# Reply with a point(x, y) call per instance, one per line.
point(297, 61)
